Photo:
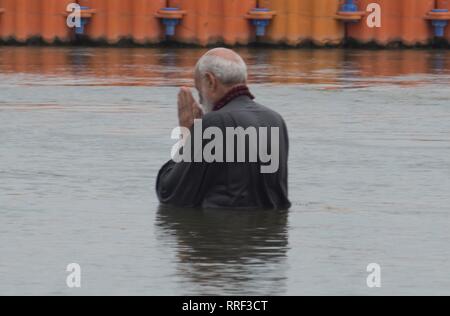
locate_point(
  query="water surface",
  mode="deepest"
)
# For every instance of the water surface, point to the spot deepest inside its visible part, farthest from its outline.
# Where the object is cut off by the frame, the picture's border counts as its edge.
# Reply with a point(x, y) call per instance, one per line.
point(83, 132)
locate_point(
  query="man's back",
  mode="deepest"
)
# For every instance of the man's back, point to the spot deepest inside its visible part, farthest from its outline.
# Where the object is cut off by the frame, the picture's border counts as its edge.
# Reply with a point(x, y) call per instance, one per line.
point(234, 182)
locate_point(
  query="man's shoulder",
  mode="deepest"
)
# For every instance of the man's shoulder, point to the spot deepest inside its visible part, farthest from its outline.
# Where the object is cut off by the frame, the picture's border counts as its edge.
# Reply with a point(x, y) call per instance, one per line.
point(270, 114)
point(238, 112)
point(268, 110)
point(212, 119)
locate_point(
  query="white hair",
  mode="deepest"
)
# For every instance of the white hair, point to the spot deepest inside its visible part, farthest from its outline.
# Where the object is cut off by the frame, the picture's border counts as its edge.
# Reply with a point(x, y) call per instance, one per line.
point(227, 71)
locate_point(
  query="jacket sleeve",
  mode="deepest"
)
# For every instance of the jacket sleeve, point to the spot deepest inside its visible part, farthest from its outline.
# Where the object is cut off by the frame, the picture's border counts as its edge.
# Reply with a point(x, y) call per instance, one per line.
point(182, 184)
point(185, 183)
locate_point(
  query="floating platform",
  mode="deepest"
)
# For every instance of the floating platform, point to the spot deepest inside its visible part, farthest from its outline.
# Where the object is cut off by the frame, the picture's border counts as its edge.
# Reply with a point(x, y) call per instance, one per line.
point(230, 22)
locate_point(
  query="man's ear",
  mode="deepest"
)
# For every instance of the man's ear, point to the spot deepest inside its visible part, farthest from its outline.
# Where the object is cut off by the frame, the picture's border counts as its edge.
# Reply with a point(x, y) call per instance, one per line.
point(211, 81)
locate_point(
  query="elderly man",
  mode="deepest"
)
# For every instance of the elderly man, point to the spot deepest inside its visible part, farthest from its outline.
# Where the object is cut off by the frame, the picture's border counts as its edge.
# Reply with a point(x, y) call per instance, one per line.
point(238, 176)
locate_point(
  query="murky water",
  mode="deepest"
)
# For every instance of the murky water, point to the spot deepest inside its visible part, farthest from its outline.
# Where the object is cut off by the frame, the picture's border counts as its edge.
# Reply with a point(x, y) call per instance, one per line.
point(83, 133)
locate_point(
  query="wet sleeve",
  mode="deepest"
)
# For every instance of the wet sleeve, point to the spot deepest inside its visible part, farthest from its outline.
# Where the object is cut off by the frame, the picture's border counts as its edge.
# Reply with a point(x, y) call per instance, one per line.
point(185, 183)
point(182, 184)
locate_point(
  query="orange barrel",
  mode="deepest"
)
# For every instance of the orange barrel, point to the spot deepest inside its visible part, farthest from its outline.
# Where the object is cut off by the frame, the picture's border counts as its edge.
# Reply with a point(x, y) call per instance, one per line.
point(114, 20)
point(27, 19)
point(390, 23)
point(292, 23)
point(445, 4)
point(326, 29)
point(415, 29)
point(7, 19)
point(111, 20)
point(442, 4)
point(401, 21)
point(146, 27)
point(2, 10)
point(214, 21)
point(96, 29)
point(297, 22)
point(196, 26)
point(123, 19)
point(442, 17)
point(54, 20)
point(236, 28)
point(119, 20)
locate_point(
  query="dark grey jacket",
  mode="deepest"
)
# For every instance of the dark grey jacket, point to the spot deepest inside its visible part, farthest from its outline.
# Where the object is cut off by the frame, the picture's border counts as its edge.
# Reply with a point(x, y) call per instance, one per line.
point(230, 184)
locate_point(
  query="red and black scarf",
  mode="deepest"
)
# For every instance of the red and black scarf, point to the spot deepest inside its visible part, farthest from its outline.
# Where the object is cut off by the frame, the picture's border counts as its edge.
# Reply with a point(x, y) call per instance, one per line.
point(233, 94)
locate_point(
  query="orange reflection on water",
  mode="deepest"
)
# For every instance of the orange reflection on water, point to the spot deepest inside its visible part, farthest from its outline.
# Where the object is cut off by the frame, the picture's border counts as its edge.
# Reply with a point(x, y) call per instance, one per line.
point(173, 67)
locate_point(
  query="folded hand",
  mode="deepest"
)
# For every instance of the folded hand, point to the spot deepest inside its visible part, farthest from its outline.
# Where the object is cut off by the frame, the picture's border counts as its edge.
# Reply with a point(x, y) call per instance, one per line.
point(188, 109)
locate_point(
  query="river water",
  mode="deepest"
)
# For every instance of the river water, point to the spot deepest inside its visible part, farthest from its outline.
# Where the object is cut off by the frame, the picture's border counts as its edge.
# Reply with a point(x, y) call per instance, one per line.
point(83, 132)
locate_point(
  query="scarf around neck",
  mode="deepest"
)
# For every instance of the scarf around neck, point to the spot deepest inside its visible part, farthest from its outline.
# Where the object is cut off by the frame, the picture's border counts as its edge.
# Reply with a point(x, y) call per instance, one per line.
point(233, 94)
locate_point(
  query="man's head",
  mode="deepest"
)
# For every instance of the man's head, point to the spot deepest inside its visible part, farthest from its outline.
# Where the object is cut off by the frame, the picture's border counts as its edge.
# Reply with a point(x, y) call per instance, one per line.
point(218, 71)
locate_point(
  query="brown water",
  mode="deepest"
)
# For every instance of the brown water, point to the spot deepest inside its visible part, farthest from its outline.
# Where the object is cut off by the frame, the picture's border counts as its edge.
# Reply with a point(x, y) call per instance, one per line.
point(84, 131)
